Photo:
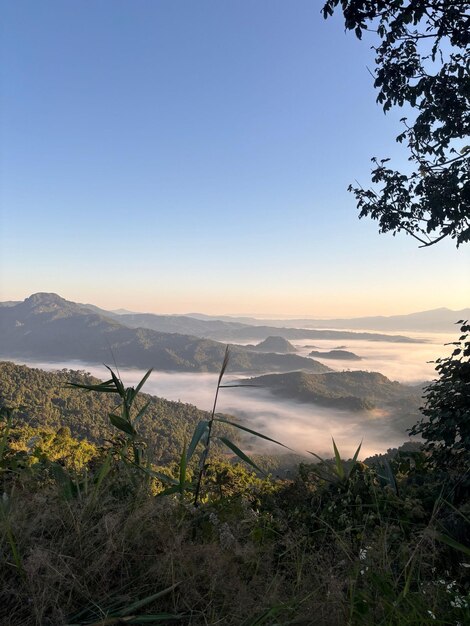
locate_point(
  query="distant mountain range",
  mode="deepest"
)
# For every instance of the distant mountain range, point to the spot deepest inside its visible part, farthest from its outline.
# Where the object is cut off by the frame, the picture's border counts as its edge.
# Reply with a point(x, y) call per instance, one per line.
point(225, 330)
point(46, 326)
point(214, 326)
point(434, 320)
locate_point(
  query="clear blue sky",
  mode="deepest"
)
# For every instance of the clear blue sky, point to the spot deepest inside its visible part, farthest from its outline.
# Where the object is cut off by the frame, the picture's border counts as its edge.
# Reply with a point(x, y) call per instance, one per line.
point(174, 156)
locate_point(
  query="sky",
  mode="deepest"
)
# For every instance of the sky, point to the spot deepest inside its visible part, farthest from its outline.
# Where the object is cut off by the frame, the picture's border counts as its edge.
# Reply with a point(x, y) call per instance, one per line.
point(173, 156)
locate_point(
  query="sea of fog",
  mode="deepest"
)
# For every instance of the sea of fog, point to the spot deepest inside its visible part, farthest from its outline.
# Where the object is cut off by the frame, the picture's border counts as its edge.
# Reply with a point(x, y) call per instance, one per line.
point(300, 426)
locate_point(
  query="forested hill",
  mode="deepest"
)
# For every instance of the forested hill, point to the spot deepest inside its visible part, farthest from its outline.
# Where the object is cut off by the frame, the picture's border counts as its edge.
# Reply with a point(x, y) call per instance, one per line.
point(353, 391)
point(45, 326)
point(44, 400)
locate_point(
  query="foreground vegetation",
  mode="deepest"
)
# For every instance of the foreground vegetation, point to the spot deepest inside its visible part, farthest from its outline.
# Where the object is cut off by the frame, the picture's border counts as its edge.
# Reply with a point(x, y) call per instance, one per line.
point(102, 531)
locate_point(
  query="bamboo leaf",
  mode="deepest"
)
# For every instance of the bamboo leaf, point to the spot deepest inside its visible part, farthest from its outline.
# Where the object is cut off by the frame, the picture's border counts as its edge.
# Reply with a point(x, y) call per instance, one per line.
point(143, 381)
point(248, 430)
point(183, 466)
point(141, 412)
point(339, 462)
point(356, 454)
point(452, 543)
point(140, 603)
point(239, 453)
point(106, 387)
point(117, 382)
point(316, 456)
point(103, 472)
point(151, 619)
point(167, 480)
point(122, 424)
point(199, 431)
point(224, 365)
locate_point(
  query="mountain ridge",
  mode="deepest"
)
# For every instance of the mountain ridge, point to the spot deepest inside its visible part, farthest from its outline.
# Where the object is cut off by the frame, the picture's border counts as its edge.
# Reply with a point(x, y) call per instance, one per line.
point(49, 327)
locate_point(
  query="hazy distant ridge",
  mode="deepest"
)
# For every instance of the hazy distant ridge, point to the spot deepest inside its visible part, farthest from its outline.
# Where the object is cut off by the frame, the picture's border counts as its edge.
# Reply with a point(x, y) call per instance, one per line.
point(46, 326)
point(434, 320)
point(236, 331)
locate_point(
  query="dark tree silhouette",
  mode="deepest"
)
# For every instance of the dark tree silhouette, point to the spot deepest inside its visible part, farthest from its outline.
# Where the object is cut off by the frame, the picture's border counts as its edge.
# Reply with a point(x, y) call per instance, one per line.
point(423, 61)
point(446, 427)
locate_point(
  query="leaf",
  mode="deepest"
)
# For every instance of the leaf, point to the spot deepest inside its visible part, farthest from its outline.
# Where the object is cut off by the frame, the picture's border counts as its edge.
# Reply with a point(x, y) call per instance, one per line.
point(142, 382)
point(224, 365)
point(140, 603)
point(357, 453)
point(239, 453)
point(317, 457)
point(199, 431)
point(248, 430)
point(122, 424)
point(167, 480)
point(103, 472)
point(106, 387)
point(183, 466)
point(452, 543)
point(339, 462)
point(390, 476)
point(117, 382)
point(141, 412)
point(151, 619)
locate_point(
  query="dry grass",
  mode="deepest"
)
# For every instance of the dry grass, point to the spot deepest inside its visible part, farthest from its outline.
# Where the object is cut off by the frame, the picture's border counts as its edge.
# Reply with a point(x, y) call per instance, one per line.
point(75, 556)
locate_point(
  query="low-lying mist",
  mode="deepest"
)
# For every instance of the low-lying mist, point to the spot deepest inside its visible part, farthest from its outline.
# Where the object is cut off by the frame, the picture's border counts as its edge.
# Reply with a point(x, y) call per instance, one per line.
point(407, 363)
point(299, 425)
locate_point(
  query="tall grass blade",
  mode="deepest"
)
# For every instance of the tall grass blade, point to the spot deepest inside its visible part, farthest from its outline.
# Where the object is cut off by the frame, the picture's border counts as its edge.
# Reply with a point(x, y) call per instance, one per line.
point(141, 412)
point(182, 472)
point(142, 382)
point(240, 453)
point(356, 454)
point(224, 365)
point(452, 543)
point(132, 608)
point(103, 472)
point(8, 414)
point(199, 432)
point(106, 387)
point(339, 462)
point(248, 430)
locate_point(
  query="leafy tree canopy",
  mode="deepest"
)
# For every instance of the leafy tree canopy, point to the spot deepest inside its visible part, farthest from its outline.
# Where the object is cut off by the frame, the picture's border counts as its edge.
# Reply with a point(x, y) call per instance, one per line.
point(422, 61)
point(446, 431)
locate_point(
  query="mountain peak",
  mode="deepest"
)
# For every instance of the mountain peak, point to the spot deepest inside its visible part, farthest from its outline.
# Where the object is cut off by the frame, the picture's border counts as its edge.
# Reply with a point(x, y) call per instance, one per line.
point(45, 298)
point(275, 344)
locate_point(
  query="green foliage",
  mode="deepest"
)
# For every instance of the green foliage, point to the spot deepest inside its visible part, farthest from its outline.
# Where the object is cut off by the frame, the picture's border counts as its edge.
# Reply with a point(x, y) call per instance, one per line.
point(446, 427)
point(125, 422)
point(203, 433)
point(339, 471)
point(82, 542)
point(45, 400)
point(422, 63)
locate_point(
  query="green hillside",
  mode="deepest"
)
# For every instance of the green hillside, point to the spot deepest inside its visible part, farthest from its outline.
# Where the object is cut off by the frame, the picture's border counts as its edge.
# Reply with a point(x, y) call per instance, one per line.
point(353, 391)
point(45, 400)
